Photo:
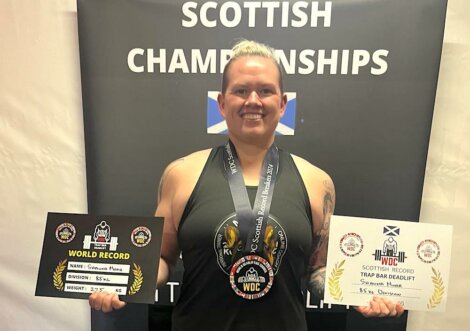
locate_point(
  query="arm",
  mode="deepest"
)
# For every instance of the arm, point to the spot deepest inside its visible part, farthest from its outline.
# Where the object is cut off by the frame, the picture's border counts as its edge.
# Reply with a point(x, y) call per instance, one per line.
point(322, 197)
point(166, 209)
point(321, 193)
point(108, 302)
point(379, 306)
point(177, 183)
point(322, 209)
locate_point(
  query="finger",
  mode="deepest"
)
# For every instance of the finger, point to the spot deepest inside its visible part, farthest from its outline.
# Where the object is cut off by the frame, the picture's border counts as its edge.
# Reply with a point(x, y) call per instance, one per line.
point(373, 308)
point(91, 299)
point(384, 306)
point(400, 309)
point(389, 303)
point(383, 309)
point(392, 306)
point(106, 303)
point(393, 311)
point(95, 300)
point(116, 303)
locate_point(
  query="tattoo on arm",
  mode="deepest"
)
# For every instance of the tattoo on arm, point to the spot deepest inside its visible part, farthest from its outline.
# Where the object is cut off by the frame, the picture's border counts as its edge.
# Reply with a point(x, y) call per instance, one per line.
point(328, 208)
point(317, 283)
point(318, 263)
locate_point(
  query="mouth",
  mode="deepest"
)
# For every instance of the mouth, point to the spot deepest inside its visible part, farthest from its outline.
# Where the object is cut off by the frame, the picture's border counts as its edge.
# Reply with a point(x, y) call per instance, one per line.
point(252, 116)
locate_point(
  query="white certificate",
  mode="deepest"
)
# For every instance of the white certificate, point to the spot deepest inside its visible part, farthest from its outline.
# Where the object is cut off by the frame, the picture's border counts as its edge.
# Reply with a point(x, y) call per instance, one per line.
point(407, 262)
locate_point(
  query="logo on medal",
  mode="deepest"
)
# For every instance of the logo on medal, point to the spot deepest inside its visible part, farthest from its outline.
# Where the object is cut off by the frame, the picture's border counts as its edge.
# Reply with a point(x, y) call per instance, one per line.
point(141, 236)
point(251, 277)
point(65, 233)
point(228, 245)
point(428, 251)
point(101, 238)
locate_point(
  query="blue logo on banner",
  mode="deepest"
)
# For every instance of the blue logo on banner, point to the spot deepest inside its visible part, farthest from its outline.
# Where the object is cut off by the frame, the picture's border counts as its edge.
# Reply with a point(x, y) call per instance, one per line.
point(216, 123)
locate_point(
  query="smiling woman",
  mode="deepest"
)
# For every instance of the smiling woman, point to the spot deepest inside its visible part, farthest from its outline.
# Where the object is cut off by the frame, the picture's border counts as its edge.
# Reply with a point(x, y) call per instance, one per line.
point(251, 100)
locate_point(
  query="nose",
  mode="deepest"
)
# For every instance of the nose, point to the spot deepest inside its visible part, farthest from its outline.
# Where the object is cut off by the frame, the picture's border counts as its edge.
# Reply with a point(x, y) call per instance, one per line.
point(253, 99)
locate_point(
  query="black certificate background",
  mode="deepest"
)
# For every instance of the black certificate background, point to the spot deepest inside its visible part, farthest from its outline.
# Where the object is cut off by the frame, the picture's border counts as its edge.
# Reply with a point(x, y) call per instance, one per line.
point(146, 257)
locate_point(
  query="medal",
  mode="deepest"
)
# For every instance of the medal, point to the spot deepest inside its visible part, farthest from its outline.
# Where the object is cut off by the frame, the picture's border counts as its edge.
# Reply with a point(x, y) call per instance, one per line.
point(251, 277)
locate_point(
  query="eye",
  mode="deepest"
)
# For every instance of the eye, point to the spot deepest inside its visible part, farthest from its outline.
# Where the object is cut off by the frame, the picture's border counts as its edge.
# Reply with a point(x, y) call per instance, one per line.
point(265, 92)
point(240, 91)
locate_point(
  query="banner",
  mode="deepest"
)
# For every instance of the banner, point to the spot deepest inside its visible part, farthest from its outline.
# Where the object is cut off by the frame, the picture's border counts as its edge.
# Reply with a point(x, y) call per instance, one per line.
point(361, 77)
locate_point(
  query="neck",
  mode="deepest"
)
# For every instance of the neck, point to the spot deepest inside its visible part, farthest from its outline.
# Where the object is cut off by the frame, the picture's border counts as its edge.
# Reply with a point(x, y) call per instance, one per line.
point(251, 157)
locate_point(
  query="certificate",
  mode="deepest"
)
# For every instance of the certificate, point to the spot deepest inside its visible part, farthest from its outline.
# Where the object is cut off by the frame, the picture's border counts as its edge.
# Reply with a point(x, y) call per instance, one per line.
point(407, 262)
point(86, 253)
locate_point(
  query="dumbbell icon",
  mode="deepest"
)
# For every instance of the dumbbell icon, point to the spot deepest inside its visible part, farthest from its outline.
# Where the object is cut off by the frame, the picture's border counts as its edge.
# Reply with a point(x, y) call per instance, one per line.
point(378, 255)
point(112, 244)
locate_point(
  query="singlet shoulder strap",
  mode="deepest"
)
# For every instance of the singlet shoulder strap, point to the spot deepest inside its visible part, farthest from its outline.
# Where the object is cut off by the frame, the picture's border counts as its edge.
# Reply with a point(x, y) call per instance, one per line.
point(213, 155)
point(289, 163)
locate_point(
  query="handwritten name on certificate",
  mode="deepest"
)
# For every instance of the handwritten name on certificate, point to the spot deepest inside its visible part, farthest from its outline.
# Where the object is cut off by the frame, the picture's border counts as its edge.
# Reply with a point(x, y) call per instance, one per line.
point(407, 262)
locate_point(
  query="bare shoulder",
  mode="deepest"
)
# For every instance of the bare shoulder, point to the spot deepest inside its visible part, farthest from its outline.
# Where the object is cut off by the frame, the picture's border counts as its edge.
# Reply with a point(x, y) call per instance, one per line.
point(185, 167)
point(321, 193)
point(190, 160)
point(314, 178)
point(176, 184)
point(178, 181)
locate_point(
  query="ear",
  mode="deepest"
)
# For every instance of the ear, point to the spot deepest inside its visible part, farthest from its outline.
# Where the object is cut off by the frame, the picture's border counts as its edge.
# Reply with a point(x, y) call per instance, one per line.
point(221, 102)
point(283, 104)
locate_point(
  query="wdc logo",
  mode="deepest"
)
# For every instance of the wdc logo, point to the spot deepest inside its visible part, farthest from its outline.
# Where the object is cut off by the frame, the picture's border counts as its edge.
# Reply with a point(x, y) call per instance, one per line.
point(216, 123)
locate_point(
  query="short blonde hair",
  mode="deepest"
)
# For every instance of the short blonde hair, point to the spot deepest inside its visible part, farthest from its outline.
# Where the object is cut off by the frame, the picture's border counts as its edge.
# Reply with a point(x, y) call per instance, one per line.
point(250, 48)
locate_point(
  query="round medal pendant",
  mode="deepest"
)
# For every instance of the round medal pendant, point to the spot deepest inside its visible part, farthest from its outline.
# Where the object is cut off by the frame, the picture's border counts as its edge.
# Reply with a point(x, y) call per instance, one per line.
point(251, 277)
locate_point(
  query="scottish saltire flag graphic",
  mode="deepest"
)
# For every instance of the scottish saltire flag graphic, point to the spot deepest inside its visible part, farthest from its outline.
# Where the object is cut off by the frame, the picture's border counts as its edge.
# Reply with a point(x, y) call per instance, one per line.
point(391, 230)
point(216, 123)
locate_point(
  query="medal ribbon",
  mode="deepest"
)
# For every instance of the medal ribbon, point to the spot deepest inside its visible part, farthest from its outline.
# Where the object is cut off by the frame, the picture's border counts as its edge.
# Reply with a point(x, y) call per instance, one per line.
point(251, 222)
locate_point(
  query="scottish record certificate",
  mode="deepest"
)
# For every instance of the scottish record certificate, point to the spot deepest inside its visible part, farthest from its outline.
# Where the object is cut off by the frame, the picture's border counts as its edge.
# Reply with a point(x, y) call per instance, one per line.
point(407, 262)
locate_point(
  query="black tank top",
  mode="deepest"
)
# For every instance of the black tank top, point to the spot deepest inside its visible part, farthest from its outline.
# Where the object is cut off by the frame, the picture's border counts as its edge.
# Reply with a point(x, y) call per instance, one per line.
point(208, 238)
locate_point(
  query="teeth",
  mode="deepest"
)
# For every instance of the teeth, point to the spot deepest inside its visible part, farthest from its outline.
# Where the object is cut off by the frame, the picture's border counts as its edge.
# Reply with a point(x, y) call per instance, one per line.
point(251, 116)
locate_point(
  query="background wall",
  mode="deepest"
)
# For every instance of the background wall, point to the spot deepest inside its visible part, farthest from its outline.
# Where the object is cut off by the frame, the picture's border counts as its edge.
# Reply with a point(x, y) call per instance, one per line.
point(446, 196)
point(42, 163)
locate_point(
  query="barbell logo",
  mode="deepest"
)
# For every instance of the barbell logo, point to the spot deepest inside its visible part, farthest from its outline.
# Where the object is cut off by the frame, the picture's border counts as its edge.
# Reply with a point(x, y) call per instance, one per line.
point(101, 238)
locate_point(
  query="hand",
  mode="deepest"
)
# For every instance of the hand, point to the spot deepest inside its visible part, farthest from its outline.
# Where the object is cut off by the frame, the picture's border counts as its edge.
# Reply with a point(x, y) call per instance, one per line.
point(381, 307)
point(104, 301)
